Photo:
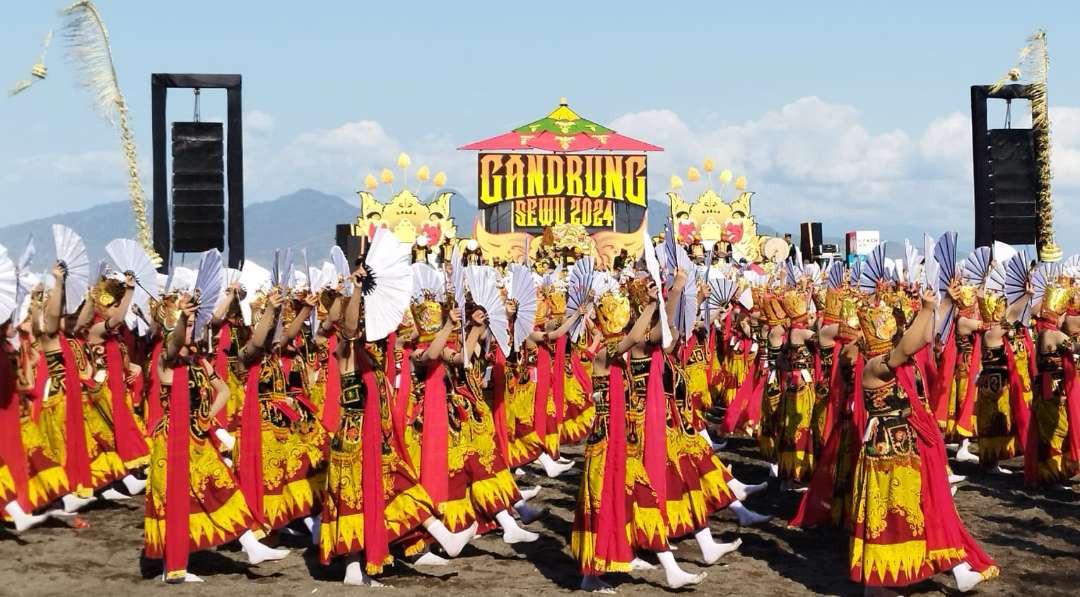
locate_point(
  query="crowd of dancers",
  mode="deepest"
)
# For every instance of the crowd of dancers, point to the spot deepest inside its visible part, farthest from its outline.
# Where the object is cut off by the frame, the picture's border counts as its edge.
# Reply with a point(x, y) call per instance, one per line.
point(385, 407)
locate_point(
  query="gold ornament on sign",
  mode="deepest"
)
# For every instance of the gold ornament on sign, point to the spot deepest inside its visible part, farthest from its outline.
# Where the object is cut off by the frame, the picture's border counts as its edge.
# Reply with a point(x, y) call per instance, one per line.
point(708, 165)
point(676, 182)
point(387, 176)
point(423, 174)
point(403, 161)
point(693, 175)
point(88, 43)
point(740, 183)
point(440, 179)
point(370, 182)
point(725, 176)
point(38, 71)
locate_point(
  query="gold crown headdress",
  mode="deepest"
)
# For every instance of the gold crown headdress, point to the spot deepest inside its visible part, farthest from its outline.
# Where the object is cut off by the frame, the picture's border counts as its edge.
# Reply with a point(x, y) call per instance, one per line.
point(878, 325)
point(992, 307)
point(1055, 302)
point(612, 313)
point(427, 314)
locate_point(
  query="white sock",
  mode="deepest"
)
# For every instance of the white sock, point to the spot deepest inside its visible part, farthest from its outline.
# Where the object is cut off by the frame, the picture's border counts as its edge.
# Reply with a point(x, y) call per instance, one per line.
point(746, 516)
point(22, 520)
point(114, 495)
point(742, 490)
point(512, 533)
point(676, 577)
point(133, 485)
point(74, 503)
point(453, 543)
point(354, 575)
point(258, 553)
point(527, 513)
point(966, 578)
point(711, 551)
point(551, 468)
point(528, 494)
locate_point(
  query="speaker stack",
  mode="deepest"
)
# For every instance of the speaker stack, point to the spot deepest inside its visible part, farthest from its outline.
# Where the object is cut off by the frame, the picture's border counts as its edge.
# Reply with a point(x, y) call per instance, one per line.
point(198, 187)
point(810, 240)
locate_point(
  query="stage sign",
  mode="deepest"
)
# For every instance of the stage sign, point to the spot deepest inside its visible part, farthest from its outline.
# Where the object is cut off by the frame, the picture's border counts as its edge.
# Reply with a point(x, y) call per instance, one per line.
point(535, 191)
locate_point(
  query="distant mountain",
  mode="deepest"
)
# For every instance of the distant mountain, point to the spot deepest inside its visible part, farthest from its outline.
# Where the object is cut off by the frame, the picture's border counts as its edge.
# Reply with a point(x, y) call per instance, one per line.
point(301, 220)
point(304, 219)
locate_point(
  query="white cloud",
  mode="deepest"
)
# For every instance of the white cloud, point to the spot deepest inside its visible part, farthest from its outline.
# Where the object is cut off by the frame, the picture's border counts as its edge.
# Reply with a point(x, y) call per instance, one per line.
point(809, 160)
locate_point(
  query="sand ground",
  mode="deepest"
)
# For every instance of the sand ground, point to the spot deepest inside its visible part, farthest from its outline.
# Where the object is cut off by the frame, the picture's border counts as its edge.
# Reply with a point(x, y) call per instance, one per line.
point(1034, 536)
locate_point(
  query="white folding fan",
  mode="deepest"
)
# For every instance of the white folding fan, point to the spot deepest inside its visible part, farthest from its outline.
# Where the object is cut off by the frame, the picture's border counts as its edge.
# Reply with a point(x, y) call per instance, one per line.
point(387, 263)
point(129, 256)
point(523, 290)
point(481, 282)
point(8, 284)
point(209, 285)
point(653, 267)
point(579, 284)
point(71, 251)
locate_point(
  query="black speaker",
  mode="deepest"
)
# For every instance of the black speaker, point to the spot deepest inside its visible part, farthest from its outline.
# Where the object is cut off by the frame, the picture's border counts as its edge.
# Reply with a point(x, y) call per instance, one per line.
point(198, 187)
point(1013, 185)
point(810, 239)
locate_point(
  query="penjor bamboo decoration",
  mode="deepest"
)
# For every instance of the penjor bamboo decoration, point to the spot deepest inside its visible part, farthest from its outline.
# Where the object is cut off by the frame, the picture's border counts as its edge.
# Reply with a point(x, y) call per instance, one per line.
point(1034, 65)
point(88, 46)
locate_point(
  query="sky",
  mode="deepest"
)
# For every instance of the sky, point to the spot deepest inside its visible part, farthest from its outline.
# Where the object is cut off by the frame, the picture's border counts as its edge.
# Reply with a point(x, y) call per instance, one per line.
point(854, 114)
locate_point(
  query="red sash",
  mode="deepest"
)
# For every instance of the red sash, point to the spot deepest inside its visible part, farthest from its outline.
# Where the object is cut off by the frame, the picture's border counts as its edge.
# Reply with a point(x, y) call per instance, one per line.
point(376, 547)
point(939, 398)
point(11, 446)
point(558, 390)
point(401, 397)
point(434, 475)
point(153, 398)
point(498, 381)
point(77, 465)
point(612, 544)
point(249, 471)
point(966, 410)
point(944, 529)
point(1021, 414)
point(543, 388)
point(221, 363)
point(331, 415)
point(655, 448)
point(130, 441)
point(177, 474)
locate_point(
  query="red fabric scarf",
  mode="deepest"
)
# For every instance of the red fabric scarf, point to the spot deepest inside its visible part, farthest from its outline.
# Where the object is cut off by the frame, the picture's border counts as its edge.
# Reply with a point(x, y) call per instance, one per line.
point(498, 380)
point(582, 377)
point(944, 529)
point(655, 448)
point(1021, 414)
point(177, 474)
point(939, 398)
point(11, 446)
point(434, 475)
point(558, 390)
point(612, 544)
point(965, 411)
point(543, 388)
point(77, 465)
point(249, 472)
point(331, 416)
point(376, 546)
point(130, 441)
point(153, 398)
point(401, 397)
point(221, 363)
point(745, 406)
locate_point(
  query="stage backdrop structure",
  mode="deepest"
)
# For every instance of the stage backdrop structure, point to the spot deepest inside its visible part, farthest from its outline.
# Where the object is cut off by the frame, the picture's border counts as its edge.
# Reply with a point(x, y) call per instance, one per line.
point(199, 217)
point(1013, 200)
point(426, 225)
point(548, 185)
point(710, 219)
